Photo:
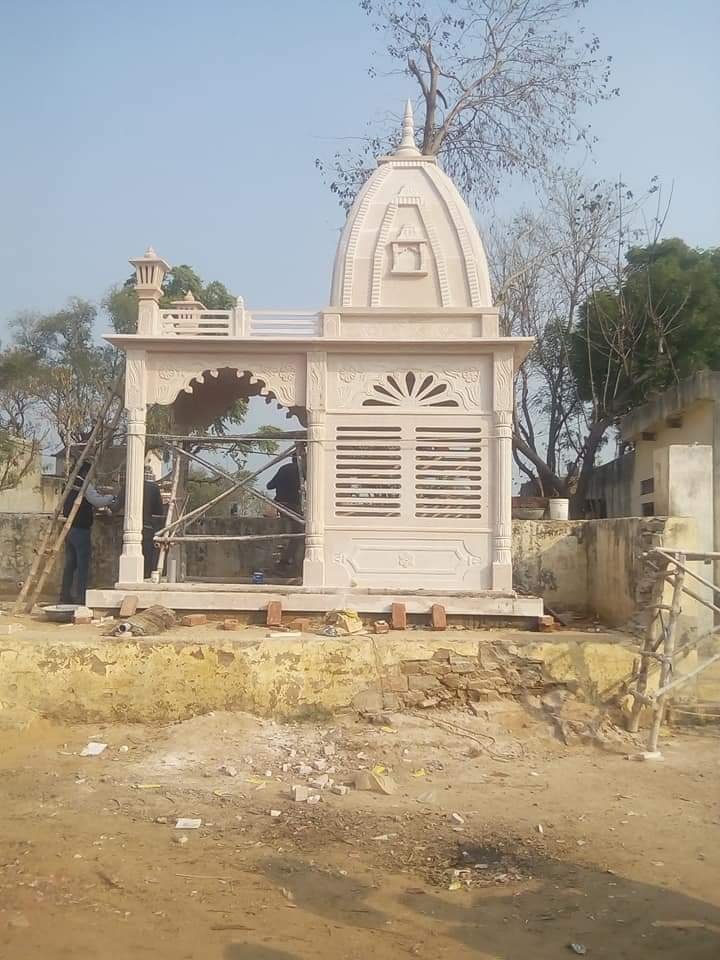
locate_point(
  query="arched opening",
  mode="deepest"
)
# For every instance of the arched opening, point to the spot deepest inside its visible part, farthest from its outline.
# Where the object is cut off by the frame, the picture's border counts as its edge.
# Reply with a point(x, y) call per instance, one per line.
point(233, 494)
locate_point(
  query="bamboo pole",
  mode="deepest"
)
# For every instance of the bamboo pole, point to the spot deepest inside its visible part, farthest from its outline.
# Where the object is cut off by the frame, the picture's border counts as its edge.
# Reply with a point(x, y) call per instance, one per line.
point(666, 667)
point(207, 538)
point(172, 507)
point(679, 681)
point(685, 569)
point(228, 437)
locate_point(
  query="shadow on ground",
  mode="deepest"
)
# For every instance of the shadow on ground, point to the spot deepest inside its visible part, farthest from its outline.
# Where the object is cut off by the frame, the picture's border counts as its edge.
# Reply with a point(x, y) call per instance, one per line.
point(612, 917)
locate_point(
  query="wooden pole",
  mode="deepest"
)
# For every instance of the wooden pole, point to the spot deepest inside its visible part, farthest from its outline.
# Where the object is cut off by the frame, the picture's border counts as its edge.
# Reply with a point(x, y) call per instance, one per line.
point(666, 667)
point(52, 553)
point(41, 554)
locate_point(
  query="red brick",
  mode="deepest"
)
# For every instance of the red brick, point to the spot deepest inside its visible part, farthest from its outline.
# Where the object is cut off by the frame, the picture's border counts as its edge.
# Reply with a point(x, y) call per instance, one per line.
point(546, 624)
point(439, 617)
point(274, 613)
point(193, 620)
point(128, 606)
point(399, 616)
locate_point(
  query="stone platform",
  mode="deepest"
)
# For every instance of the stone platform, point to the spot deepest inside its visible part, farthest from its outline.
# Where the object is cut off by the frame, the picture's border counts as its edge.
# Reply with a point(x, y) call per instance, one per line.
point(228, 597)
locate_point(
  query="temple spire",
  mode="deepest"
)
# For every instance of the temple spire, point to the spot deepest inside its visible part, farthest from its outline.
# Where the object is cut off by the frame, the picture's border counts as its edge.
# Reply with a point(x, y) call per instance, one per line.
point(408, 147)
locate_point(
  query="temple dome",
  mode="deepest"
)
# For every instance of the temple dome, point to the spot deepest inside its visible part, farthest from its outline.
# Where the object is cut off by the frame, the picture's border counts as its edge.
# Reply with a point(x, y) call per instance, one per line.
point(410, 240)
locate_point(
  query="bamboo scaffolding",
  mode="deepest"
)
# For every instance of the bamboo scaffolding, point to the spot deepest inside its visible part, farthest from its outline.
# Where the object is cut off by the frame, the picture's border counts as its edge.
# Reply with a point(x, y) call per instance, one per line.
point(251, 490)
point(674, 572)
point(203, 508)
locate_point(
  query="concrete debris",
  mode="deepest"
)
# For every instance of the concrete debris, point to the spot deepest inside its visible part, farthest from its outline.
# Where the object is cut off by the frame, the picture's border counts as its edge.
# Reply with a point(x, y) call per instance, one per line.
point(381, 626)
point(320, 764)
point(300, 793)
point(340, 789)
point(304, 770)
point(363, 780)
point(228, 770)
point(275, 814)
point(329, 749)
point(83, 615)
point(314, 798)
point(7, 629)
point(188, 823)
point(375, 782)
point(457, 818)
point(345, 622)
point(320, 783)
point(93, 749)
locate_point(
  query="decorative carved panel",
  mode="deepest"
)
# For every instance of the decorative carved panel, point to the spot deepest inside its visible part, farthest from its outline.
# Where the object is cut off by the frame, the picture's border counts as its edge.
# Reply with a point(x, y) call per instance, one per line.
point(283, 377)
point(366, 382)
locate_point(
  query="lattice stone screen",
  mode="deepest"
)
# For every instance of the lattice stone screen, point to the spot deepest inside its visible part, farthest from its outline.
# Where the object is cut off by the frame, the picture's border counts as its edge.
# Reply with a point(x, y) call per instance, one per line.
point(409, 468)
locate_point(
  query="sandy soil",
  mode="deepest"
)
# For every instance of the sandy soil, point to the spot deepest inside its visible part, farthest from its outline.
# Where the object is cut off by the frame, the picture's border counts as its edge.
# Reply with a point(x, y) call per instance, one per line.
point(452, 865)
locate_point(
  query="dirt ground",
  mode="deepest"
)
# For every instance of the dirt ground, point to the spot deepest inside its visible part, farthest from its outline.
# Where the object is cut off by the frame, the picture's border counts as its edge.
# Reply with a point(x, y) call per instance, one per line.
point(498, 842)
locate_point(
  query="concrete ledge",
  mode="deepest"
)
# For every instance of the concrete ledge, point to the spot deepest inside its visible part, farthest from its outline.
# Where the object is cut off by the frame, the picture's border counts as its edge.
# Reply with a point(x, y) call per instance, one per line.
point(228, 597)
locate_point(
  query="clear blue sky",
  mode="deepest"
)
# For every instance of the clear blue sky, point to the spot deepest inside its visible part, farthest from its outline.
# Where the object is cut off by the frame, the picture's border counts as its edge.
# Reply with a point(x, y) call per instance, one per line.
point(194, 126)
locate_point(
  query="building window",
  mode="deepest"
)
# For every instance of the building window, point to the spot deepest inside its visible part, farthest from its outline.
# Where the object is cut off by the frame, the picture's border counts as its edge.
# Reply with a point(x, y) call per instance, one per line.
point(648, 509)
point(647, 486)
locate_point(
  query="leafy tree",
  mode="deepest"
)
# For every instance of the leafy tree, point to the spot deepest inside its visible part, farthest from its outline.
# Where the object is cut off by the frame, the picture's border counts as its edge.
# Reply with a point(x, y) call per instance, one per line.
point(657, 326)
point(67, 372)
point(500, 85)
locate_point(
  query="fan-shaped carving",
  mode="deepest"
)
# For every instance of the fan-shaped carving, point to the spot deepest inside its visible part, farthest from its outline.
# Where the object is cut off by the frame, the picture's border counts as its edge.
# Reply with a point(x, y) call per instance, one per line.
point(410, 391)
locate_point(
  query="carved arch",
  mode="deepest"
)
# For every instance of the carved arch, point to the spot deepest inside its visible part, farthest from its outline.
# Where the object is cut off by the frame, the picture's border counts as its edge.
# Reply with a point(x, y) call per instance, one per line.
point(283, 377)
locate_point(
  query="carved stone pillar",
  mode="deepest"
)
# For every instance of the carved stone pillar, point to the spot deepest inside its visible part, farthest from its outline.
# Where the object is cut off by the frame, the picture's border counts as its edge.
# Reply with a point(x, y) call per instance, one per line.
point(502, 555)
point(314, 566)
point(502, 403)
point(131, 559)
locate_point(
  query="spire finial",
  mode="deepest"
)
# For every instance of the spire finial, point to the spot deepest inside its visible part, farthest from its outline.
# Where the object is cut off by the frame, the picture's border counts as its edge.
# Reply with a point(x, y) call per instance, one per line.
point(407, 146)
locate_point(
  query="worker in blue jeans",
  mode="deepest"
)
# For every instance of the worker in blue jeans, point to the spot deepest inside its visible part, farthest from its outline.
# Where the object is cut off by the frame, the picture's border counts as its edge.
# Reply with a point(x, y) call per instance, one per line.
point(78, 547)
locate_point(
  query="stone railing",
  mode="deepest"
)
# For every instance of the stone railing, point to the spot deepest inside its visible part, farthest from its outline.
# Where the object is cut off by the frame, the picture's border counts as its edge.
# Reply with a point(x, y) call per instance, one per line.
point(198, 323)
point(238, 322)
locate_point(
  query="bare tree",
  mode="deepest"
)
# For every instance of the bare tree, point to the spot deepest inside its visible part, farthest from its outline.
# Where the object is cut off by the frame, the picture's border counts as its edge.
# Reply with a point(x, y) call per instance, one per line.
point(561, 276)
point(501, 83)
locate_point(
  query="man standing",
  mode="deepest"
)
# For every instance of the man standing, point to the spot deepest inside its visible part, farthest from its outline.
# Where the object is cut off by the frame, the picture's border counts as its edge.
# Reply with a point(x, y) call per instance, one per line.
point(153, 512)
point(78, 547)
point(286, 484)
